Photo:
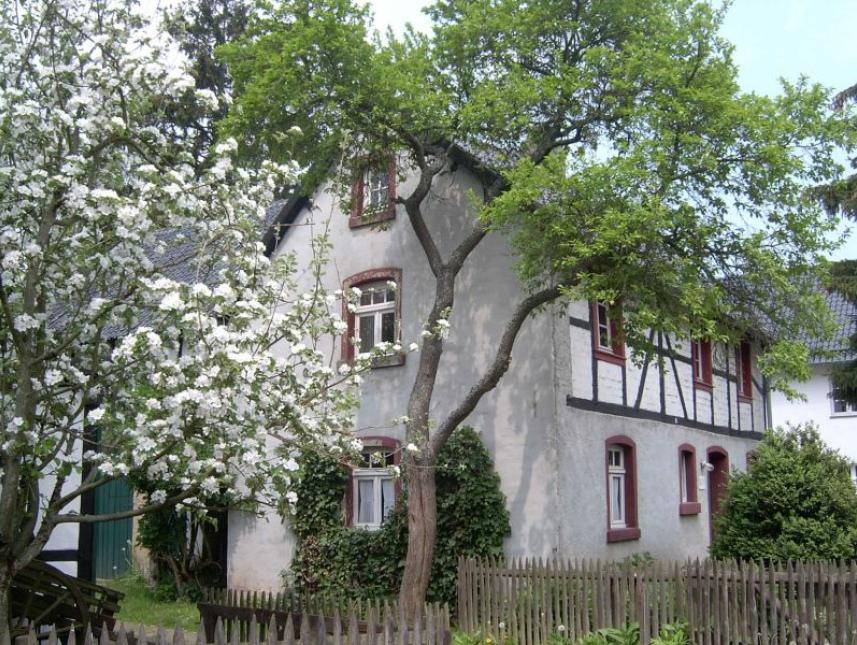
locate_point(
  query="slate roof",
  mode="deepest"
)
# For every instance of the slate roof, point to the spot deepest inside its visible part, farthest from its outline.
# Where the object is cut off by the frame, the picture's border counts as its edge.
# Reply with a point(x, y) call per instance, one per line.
point(837, 348)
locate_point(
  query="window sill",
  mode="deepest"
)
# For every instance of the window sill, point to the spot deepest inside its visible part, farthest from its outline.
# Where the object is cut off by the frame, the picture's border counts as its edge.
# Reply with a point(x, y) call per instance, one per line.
point(703, 385)
point(743, 398)
point(394, 360)
point(623, 535)
point(836, 415)
point(367, 219)
point(609, 357)
point(689, 508)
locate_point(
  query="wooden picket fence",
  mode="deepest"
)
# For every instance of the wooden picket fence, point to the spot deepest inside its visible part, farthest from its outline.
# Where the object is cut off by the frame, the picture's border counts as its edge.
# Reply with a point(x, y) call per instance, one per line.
point(241, 613)
point(529, 602)
point(384, 628)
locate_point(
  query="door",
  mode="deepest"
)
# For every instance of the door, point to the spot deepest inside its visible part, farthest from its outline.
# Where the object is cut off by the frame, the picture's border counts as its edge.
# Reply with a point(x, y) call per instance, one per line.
point(718, 478)
point(112, 540)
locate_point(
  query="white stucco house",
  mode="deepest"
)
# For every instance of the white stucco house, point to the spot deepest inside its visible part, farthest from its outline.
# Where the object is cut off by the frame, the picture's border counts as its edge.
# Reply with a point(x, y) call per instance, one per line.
point(598, 456)
point(836, 419)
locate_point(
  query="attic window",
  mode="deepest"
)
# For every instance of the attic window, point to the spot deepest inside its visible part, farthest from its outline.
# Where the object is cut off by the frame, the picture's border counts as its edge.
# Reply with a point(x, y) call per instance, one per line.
point(373, 193)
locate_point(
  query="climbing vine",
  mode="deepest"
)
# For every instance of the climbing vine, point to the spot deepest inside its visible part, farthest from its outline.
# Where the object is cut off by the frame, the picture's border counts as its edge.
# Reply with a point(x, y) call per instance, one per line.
point(336, 560)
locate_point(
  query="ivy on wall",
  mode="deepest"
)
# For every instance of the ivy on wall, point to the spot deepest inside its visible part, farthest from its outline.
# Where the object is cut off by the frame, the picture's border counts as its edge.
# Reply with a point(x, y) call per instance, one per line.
point(340, 561)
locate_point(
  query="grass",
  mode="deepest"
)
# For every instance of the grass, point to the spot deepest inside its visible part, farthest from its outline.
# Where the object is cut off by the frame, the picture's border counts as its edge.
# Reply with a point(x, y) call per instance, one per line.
point(141, 606)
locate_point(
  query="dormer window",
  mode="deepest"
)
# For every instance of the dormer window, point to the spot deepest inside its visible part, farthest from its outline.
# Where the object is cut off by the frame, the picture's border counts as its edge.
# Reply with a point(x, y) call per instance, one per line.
point(373, 193)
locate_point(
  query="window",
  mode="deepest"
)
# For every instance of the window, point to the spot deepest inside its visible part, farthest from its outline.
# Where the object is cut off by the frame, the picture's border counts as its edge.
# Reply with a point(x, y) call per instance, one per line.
point(376, 316)
point(373, 194)
point(689, 504)
point(744, 362)
point(373, 488)
point(841, 404)
point(621, 490)
point(700, 352)
point(607, 332)
point(617, 472)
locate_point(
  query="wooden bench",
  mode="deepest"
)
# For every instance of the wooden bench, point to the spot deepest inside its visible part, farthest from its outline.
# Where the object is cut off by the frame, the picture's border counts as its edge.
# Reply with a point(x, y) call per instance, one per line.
point(44, 595)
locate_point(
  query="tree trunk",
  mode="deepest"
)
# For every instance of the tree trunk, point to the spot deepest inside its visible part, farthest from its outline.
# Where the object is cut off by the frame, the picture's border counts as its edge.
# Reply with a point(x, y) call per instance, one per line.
point(5, 602)
point(422, 529)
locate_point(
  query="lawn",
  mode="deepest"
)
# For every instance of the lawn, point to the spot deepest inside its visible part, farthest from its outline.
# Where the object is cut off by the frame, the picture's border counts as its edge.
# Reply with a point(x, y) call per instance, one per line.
point(140, 606)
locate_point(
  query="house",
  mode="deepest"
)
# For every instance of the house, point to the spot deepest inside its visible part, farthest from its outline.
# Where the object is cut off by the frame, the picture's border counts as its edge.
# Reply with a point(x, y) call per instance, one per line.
point(598, 456)
point(836, 418)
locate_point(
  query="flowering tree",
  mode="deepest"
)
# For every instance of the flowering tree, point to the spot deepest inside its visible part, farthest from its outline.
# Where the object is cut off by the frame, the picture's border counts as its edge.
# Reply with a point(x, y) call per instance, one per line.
point(136, 296)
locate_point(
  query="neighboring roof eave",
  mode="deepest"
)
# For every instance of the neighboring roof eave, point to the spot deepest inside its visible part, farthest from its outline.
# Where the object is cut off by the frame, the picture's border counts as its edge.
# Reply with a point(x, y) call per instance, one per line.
point(283, 219)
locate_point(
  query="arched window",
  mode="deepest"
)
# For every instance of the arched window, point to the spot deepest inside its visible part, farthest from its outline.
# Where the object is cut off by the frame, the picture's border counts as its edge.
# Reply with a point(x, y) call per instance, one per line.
point(621, 470)
point(376, 316)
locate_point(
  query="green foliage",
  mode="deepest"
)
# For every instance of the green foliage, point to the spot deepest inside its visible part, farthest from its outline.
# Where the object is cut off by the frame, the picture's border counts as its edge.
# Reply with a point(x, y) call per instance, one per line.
point(346, 562)
point(795, 501)
point(613, 142)
point(472, 515)
point(843, 278)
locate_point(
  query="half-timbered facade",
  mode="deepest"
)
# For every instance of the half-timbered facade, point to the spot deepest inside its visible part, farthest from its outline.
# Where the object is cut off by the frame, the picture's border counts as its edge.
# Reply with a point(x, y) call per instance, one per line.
point(599, 455)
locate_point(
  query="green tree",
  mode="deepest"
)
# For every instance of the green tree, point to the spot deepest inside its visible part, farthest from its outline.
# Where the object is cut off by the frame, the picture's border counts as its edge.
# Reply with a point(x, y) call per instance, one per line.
point(795, 501)
point(612, 145)
point(198, 27)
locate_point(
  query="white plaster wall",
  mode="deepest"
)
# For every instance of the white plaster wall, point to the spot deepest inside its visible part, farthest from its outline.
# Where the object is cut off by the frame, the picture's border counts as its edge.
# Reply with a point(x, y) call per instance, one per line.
point(64, 536)
point(550, 457)
point(582, 489)
point(516, 420)
point(838, 430)
point(259, 550)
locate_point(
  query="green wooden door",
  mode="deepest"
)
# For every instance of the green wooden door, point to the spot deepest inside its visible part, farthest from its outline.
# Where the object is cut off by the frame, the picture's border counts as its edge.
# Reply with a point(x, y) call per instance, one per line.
point(112, 540)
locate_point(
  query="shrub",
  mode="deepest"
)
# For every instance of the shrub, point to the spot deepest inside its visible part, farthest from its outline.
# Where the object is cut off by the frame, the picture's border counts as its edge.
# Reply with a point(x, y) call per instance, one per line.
point(795, 502)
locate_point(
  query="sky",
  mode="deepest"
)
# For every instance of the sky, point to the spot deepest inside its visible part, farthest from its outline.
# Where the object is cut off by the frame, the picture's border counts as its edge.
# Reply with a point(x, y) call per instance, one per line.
point(772, 39)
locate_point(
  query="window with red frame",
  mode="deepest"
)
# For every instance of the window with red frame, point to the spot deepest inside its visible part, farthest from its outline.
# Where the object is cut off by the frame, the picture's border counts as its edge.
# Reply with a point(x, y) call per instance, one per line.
point(621, 469)
point(701, 359)
point(607, 332)
point(689, 504)
point(373, 489)
point(373, 194)
point(744, 360)
point(376, 315)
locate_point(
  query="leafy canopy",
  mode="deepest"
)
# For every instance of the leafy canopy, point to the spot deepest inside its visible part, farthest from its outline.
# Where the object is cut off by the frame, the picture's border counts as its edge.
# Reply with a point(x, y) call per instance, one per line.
point(611, 139)
point(796, 501)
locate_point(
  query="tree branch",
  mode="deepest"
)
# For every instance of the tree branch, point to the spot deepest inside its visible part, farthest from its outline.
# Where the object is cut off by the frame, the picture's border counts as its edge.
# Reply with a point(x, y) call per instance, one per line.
point(121, 515)
point(498, 367)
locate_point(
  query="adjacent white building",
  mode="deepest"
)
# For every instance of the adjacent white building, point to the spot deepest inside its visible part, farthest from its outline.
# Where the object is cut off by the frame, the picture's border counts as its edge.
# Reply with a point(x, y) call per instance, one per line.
point(836, 419)
point(598, 456)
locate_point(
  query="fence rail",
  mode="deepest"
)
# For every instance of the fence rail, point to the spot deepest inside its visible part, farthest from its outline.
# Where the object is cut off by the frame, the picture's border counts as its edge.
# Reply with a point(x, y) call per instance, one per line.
point(722, 602)
point(384, 628)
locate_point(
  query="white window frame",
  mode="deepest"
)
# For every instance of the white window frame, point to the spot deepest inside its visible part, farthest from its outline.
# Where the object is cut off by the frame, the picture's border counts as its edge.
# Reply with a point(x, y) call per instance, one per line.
point(377, 475)
point(605, 327)
point(616, 479)
point(376, 311)
point(381, 186)
point(840, 413)
point(686, 456)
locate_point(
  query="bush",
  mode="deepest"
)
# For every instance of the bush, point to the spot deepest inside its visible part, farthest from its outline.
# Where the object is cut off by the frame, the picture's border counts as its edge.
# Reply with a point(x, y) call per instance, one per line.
point(795, 502)
point(345, 562)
